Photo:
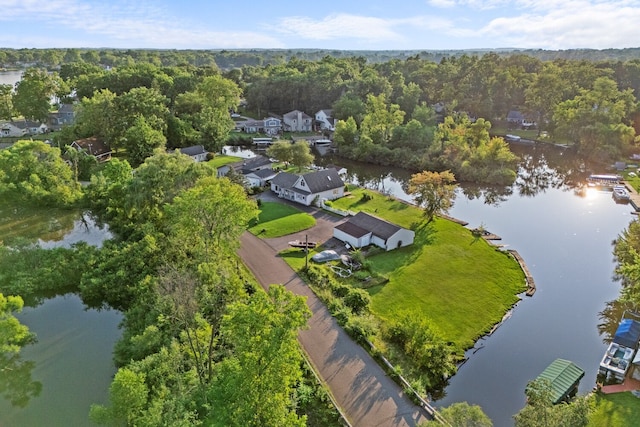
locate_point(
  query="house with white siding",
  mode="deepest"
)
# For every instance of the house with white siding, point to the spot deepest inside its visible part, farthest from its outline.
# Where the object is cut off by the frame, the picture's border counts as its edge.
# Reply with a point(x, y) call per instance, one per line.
point(325, 120)
point(196, 152)
point(297, 121)
point(310, 188)
point(364, 229)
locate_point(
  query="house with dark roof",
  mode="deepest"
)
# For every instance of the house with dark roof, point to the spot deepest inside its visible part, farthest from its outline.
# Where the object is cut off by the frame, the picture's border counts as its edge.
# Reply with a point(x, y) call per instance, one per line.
point(364, 229)
point(196, 152)
point(22, 128)
point(93, 146)
point(268, 126)
point(297, 121)
point(260, 177)
point(310, 188)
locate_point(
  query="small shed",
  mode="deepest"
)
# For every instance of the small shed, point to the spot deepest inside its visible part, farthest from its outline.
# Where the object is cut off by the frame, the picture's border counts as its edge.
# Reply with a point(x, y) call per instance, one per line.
point(564, 377)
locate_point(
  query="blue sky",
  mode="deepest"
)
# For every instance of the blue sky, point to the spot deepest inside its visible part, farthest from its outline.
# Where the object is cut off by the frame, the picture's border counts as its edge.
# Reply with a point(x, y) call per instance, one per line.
point(326, 24)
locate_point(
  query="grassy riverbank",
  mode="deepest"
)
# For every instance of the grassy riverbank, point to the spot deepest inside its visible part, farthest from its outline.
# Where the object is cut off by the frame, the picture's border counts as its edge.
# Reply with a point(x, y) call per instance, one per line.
point(277, 219)
point(461, 283)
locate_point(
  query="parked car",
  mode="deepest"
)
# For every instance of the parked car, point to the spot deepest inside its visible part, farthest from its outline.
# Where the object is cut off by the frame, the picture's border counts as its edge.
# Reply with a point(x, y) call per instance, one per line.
point(324, 256)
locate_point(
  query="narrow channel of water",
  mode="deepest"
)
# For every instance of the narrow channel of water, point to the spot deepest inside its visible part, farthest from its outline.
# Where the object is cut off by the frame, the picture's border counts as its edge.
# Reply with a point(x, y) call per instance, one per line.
point(72, 359)
point(565, 237)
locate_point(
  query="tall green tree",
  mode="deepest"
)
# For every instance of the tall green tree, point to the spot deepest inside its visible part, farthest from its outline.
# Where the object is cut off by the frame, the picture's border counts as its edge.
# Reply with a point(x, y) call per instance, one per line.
point(254, 385)
point(141, 140)
point(433, 191)
point(541, 412)
point(301, 155)
point(32, 97)
point(34, 172)
point(380, 119)
point(6, 103)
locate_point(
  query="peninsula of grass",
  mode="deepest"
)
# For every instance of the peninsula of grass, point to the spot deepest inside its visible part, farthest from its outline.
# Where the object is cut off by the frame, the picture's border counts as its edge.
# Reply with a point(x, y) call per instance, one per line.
point(461, 283)
point(277, 219)
point(617, 409)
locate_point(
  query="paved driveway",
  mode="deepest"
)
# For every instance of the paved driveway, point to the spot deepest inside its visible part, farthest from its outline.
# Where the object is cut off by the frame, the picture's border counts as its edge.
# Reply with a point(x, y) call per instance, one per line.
point(366, 395)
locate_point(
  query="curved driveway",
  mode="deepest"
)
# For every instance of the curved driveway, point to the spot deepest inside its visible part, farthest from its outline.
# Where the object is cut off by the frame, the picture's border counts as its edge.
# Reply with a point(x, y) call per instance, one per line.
point(365, 394)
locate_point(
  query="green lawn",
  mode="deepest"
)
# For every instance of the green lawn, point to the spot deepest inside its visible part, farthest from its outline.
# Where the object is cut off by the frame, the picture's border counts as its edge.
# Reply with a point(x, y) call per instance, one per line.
point(277, 219)
point(616, 410)
point(222, 159)
point(461, 283)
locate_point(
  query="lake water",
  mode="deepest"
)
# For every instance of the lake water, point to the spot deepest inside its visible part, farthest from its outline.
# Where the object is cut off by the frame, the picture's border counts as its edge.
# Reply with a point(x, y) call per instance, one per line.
point(72, 359)
point(10, 77)
point(565, 237)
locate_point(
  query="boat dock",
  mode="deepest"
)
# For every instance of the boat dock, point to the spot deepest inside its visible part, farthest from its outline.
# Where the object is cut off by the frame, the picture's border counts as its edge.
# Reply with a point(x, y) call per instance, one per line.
point(531, 285)
point(633, 194)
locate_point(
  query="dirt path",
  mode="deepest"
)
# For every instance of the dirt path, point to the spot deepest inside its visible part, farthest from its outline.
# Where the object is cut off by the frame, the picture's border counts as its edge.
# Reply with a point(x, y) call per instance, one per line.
point(359, 385)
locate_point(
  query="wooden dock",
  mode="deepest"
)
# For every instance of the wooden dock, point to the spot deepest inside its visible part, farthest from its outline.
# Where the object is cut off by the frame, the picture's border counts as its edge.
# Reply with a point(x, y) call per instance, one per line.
point(635, 197)
point(531, 285)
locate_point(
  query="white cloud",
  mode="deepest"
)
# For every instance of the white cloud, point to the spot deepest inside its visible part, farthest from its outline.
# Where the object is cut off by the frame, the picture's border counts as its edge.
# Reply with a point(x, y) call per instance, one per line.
point(339, 26)
point(566, 25)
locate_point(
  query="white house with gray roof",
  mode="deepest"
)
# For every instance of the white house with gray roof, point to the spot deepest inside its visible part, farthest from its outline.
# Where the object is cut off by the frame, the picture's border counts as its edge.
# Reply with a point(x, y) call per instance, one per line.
point(364, 229)
point(310, 188)
point(196, 152)
point(297, 121)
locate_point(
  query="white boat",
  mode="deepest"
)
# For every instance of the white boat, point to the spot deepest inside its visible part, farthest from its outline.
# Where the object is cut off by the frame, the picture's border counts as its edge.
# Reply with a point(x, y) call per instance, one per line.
point(620, 194)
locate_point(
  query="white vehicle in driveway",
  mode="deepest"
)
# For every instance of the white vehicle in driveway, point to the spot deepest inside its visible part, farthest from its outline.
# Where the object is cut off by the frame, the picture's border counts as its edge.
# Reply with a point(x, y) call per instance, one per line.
point(324, 256)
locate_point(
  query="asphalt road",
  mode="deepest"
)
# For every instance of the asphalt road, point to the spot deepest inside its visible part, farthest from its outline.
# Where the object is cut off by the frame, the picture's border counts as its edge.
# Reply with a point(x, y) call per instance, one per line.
point(365, 394)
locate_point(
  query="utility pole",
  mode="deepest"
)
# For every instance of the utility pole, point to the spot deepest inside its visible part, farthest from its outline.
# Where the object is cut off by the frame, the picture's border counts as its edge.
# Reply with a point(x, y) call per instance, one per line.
point(306, 251)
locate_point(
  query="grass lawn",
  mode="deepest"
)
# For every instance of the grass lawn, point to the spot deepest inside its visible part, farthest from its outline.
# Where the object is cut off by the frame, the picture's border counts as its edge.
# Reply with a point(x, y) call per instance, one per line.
point(277, 219)
point(222, 159)
point(616, 410)
point(461, 283)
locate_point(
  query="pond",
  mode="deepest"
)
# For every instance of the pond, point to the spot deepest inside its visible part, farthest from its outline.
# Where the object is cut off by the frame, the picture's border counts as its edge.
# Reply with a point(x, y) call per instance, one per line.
point(71, 363)
point(564, 235)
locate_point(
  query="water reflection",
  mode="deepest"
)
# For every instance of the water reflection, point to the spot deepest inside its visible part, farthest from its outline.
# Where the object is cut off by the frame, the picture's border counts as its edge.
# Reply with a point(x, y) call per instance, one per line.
point(16, 382)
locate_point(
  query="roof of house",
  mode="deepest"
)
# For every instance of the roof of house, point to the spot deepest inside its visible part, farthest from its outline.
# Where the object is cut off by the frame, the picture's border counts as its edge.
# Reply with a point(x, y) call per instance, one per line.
point(65, 108)
point(294, 114)
point(323, 180)
point(284, 180)
point(515, 115)
point(26, 124)
point(194, 150)
point(263, 173)
point(327, 112)
point(377, 226)
point(352, 229)
point(255, 162)
point(563, 376)
point(93, 145)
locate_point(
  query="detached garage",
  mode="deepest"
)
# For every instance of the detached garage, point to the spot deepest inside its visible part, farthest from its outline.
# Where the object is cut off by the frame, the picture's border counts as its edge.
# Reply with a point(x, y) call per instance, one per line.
point(363, 230)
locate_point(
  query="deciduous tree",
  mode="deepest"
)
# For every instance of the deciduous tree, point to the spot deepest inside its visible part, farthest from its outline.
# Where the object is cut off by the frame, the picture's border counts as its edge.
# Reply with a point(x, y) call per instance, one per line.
point(433, 191)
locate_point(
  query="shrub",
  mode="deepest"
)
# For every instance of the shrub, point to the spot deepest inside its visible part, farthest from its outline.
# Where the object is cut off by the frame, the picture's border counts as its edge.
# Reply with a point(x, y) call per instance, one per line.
point(340, 290)
point(357, 300)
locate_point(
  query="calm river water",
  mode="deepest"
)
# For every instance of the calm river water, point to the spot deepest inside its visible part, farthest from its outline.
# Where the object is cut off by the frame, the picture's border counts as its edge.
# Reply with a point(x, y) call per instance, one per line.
point(72, 359)
point(565, 238)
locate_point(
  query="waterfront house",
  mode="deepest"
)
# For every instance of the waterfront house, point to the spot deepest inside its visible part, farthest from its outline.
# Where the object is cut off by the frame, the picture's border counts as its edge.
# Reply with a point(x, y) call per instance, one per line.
point(364, 229)
point(297, 121)
point(65, 116)
point(310, 188)
point(269, 126)
point(325, 120)
point(196, 152)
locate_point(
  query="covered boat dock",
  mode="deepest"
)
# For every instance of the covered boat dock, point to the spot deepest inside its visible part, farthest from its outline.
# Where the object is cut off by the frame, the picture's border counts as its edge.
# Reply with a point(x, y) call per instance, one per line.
point(564, 377)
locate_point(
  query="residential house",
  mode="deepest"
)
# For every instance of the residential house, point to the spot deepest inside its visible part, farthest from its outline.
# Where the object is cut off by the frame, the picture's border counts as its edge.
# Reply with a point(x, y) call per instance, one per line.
point(93, 146)
point(268, 126)
point(364, 229)
point(251, 166)
point(22, 127)
point(342, 171)
point(297, 121)
point(196, 152)
point(10, 129)
point(65, 116)
point(260, 177)
point(325, 120)
point(515, 117)
point(310, 188)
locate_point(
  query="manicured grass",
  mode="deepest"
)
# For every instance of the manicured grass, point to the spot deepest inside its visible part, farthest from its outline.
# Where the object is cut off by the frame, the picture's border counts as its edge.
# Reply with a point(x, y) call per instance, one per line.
point(616, 410)
point(277, 219)
point(461, 283)
point(222, 159)
point(380, 205)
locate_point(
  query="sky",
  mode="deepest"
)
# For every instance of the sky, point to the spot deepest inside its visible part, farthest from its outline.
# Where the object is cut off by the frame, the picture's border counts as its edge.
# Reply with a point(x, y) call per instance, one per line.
point(325, 24)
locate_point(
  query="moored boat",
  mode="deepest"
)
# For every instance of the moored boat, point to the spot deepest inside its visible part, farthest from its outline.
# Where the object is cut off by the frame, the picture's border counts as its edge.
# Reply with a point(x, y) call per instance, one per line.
point(620, 194)
point(302, 244)
point(604, 180)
